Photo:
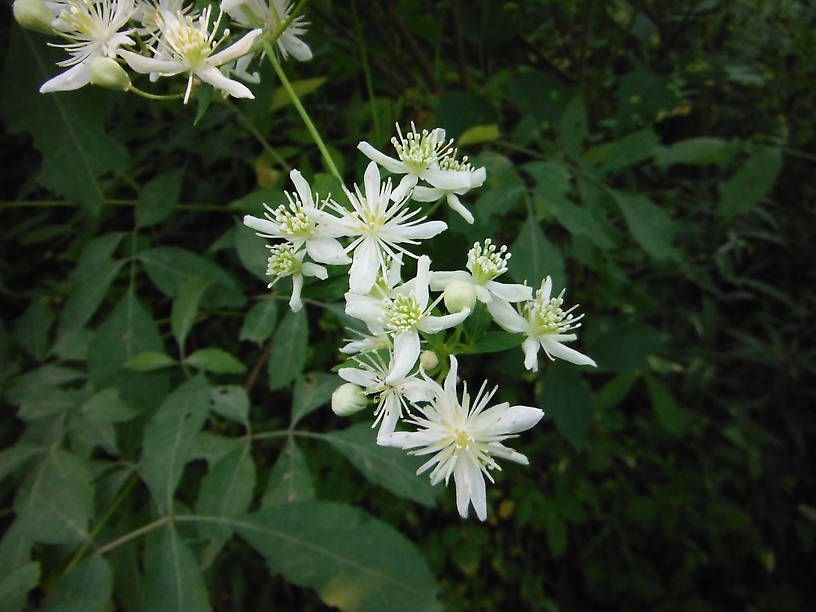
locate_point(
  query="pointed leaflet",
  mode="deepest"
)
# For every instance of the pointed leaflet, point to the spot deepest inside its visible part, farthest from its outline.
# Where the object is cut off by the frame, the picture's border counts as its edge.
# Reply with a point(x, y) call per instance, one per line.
point(260, 322)
point(86, 588)
point(288, 354)
point(289, 481)
point(534, 257)
point(390, 468)
point(231, 402)
point(157, 198)
point(15, 585)
point(312, 391)
point(215, 360)
point(168, 437)
point(565, 397)
point(750, 184)
point(67, 127)
point(185, 307)
point(173, 580)
point(352, 560)
point(650, 225)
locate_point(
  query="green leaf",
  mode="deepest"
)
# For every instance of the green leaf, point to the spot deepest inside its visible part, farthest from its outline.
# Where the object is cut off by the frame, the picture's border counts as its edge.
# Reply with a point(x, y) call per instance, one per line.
point(556, 535)
point(33, 328)
point(388, 467)
point(534, 257)
point(303, 87)
point(87, 588)
point(751, 184)
point(578, 220)
point(231, 402)
point(252, 251)
point(44, 402)
point(15, 585)
point(260, 322)
point(185, 308)
point(498, 201)
point(41, 378)
point(173, 580)
point(90, 281)
point(149, 360)
point(68, 127)
point(211, 447)
point(170, 267)
point(128, 331)
point(205, 95)
point(55, 503)
point(550, 177)
point(290, 480)
point(630, 150)
point(495, 342)
point(565, 397)
point(107, 406)
point(288, 354)
point(478, 134)
point(352, 560)
point(622, 346)
point(312, 391)
point(215, 360)
point(614, 392)
point(695, 151)
point(650, 225)
point(158, 198)
point(16, 456)
point(573, 125)
point(669, 415)
point(167, 440)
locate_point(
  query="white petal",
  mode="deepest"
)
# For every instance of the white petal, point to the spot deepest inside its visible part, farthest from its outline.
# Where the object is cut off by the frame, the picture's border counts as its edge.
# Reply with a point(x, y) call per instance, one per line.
point(328, 251)
point(297, 284)
point(478, 177)
point(389, 421)
point(228, 5)
point(366, 308)
point(504, 419)
point(364, 378)
point(406, 353)
point(235, 50)
point(296, 47)
point(449, 180)
point(456, 205)
point(427, 194)
point(214, 77)
point(394, 166)
point(145, 65)
point(546, 289)
point(409, 439)
point(371, 179)
point(432, 325)
point(441, 279)
point(364, 268)
point(302, 188)
point(470, 488)
point(265, 226)
point(510, 292)
point(418, 390)
point(405, 185)
point(501, 451)
point(556, 349)
point(450, 379)
point(312, 269)
point(422, 231)
point(421, 281)
point(73, 78)
point(530, 347)
point(506, 316)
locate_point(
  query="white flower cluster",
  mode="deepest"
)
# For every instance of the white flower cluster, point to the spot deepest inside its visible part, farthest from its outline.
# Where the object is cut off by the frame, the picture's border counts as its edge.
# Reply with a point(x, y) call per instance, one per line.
point(167, 38)
point(378, 228)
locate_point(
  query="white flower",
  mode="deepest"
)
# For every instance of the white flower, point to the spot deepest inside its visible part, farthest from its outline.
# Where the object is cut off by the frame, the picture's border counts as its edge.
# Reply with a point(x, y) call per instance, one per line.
point(284, 261)
point(432, 194)
point(420, 157)
point(379, 228)
point(404, 315)
point(483, 265)
point(393, 393)
point(271, 14)
point(545, 324)
point(93, 29)
point(465, 438)
point(187, 45)
point(294, 224)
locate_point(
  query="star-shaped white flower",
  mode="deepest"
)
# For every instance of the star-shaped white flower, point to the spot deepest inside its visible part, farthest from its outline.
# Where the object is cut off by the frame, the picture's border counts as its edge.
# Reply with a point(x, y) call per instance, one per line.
point(420, 157)
point(432, 194)
point(187, 45)
point(93, 29)
point(483, 265)
point(294, 224)
point(271, 14)
point(378, 227)
point(285, 261)
point(545, 324)
point(465, 438)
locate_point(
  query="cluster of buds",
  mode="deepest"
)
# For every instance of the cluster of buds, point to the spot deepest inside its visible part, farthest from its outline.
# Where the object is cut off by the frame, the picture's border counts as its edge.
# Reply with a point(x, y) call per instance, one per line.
point(162, 38)
point(387, 366)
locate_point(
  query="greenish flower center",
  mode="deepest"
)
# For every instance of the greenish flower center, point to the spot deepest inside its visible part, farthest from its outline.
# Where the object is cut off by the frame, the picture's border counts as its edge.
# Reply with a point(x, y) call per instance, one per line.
point(419, 151)
point(487, 263)
point(282, 261)
point(403, 313)
point(292, 219)
point(548, 317)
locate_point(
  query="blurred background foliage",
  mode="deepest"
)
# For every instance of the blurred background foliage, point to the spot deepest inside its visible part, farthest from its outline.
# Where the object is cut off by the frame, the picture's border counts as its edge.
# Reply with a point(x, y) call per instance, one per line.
point(656, 158)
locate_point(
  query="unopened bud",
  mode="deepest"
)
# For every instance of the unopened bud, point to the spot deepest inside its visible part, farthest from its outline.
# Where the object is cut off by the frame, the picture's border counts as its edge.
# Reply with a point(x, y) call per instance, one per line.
point(428, 360)
point(33, 15)
point(459, 295)
point(348, 399)
point(106, 72)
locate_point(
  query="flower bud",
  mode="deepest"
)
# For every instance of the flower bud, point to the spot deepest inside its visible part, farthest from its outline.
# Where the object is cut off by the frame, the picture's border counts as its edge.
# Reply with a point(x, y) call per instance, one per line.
point(33, 15)
point(459, 295)
point(348, 399)
point(428, 360)
point(106, 72)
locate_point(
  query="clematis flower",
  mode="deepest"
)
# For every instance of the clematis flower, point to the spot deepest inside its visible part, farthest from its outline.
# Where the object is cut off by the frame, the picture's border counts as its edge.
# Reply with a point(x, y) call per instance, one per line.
point(285, 261)
point(93, 29)
point(545, 325)
point(187, 45)
point(393, 394)
point(294, 224)
point(432, 194)
point(271, 14)
point(420, 157)
point(378, 227)
point(485, 263)
point(465, 439)
point(404, 315)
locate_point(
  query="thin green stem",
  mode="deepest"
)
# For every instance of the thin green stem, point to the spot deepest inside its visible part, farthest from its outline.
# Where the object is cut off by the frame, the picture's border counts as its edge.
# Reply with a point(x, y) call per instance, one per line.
point(151, 96)
point(258, 136)
point(132, 535)
point(375, 116)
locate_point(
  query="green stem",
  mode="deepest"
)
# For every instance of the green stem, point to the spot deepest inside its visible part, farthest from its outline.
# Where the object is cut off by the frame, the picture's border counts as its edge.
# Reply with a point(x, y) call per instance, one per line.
point(257, 134)
point(132, 535)
point(151, 96)
point(375, 116)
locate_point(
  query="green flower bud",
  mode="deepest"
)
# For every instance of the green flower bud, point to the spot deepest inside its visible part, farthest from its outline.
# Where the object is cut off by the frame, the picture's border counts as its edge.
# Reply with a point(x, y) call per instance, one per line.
point(106, 72)
point(33, 15)
point(348, 399)
point(459, 295)
point(428, 360)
